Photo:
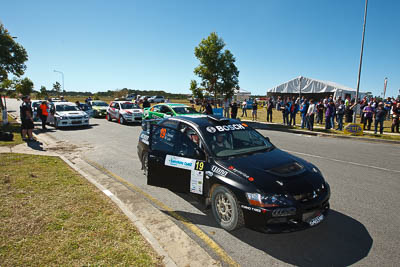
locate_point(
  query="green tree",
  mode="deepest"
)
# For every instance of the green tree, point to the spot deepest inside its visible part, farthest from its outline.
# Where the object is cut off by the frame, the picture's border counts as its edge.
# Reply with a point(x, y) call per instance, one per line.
point(217, 67)
point(197, 92)
point(43, 92)
point(24, 87)
point(12, 55)
point(57, 87)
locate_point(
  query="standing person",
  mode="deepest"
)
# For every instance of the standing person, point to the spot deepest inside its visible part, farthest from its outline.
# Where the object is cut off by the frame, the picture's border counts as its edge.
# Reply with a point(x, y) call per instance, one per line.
point(329, 113)
point(244, 108)
point(368, 113)
point(226, 107)
point(43, 114)
point(26, 119)
point(363, 104)
point(285, 112)
point(234, 110)
point(380, 114)
point(294, 107)
point(340, 113)
point(388, 107)
point(208, 109)
point(146, 103)
point(396, 117)
point(270, 105)
point(320, 110)
point(303, 111)
point(349, 111)
point(254, 110)
point(312, 109)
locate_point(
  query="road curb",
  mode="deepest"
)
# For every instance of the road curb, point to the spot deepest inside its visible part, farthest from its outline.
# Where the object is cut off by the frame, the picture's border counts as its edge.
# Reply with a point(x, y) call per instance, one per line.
point(138, 224)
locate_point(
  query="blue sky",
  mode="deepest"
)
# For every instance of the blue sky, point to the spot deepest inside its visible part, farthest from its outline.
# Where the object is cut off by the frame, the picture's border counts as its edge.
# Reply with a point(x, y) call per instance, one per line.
point(105, 45)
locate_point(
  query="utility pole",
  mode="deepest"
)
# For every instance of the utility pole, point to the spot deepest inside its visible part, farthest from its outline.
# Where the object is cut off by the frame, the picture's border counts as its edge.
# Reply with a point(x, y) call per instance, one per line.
point(361, 56)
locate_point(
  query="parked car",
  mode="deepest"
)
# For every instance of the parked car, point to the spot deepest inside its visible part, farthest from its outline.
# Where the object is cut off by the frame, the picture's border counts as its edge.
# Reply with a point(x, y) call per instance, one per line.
point(130, 97)
point(168, 110)
point(124, 112)
point(35, 106)
point(68, 114)
point(156, 99)
point(99, 108)
point(237, 171)
point(87, 109)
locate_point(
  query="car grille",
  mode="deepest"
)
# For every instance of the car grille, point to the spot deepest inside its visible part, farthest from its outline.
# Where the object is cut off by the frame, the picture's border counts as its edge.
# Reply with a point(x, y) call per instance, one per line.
point(76, 118)
point(305, 197)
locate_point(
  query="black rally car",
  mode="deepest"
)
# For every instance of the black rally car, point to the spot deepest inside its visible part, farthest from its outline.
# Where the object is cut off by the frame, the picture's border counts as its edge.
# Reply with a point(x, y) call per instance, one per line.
point(245, 178)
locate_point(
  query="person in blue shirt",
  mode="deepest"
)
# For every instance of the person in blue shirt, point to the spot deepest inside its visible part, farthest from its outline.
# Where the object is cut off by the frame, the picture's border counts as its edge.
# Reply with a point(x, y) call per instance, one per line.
point(293, 108)
point(303, 111)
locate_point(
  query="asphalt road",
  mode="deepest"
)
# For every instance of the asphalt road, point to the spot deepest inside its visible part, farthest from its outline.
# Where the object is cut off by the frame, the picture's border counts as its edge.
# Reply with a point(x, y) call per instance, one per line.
point(362, 228)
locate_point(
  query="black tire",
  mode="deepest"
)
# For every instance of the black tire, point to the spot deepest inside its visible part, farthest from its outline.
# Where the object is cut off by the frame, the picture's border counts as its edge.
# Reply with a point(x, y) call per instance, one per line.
point(145, 161)
point(226, 210)
point(108, 117)
point(121, 120)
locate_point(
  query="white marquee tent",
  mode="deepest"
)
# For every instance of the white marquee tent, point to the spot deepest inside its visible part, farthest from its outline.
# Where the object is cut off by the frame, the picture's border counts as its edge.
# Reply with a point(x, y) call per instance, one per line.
point(304, 85)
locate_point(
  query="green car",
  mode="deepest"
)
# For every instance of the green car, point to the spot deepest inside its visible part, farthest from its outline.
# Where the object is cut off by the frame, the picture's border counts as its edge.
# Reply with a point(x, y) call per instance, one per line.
point(99, 108)
point(168, 110)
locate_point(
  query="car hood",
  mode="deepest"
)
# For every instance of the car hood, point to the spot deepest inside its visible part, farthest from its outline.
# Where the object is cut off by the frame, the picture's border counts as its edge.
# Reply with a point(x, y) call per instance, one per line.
point(99, 108)
point(135, 110)
point(71, 113)
point(276, 171)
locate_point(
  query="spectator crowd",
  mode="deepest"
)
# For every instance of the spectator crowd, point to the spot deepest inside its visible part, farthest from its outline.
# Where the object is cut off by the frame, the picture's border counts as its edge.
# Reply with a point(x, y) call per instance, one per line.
point(329, 112)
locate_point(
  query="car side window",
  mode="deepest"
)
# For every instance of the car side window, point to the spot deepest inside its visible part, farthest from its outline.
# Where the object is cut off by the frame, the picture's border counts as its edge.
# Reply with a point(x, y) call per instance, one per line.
point(164, 109)
point(155, 108)
point(187, 148)
point(164, 139)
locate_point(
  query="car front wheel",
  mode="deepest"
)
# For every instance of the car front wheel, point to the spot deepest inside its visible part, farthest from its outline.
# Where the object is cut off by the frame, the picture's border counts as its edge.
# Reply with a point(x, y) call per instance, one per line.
point(226, 210)
point(108, 117)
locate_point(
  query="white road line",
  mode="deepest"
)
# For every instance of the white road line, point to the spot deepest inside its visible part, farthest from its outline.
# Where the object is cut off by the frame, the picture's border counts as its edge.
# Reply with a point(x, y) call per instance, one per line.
point(107, 192)
point(343, 161)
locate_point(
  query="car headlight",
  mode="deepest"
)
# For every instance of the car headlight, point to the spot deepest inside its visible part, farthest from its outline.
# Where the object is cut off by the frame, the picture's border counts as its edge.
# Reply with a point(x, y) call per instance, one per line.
point(63, 118)
point(268, 200)
point(86, 116)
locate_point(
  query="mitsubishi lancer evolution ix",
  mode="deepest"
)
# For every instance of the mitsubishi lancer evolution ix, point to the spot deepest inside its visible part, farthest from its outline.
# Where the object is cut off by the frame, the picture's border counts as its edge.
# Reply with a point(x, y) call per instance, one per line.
point(238, 172)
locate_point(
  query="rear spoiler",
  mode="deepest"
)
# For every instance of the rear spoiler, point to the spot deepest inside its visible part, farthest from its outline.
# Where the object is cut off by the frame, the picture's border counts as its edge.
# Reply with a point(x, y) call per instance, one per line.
point(146, 124)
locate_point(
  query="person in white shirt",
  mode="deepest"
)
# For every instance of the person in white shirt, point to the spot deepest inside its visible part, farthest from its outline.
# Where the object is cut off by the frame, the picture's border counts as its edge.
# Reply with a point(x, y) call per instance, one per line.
point(226, 107)
point(312, 109)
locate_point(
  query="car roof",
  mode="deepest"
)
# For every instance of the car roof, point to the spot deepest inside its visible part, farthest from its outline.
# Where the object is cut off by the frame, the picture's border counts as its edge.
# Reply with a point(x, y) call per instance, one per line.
point(64, 103)
point(123, 101)
point(173, 104)
point(204, 120)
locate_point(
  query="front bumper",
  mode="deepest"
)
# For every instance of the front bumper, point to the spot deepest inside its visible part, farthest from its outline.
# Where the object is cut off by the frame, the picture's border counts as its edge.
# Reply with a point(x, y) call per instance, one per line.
point(72, 122)
point(267, 220)
point(99, 113)
point(134, 117)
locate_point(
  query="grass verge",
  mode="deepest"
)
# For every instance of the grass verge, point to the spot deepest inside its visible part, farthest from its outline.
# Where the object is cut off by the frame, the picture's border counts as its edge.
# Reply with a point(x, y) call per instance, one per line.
point(50, 215)
point(13, 127)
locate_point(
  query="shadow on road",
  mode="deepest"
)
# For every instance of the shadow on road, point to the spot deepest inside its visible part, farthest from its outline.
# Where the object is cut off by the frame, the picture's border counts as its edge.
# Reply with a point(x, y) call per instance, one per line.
point(338, 241)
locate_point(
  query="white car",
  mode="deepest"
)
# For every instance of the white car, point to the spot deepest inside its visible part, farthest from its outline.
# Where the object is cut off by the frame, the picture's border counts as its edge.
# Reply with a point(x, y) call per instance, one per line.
point(68, 114)
point(35, 106)
point(124, 112)
point(156, 99)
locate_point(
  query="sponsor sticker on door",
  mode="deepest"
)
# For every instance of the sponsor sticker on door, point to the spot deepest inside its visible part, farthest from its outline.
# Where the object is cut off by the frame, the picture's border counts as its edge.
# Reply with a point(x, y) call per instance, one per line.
point(180, 162)
point(196, 182)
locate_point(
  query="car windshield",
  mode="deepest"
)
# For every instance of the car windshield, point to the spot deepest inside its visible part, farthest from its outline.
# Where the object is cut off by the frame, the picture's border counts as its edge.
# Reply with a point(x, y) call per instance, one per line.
point(129, 106)
point(234, 139)
point(66, 108)
point(184, 110)
point(99, 104)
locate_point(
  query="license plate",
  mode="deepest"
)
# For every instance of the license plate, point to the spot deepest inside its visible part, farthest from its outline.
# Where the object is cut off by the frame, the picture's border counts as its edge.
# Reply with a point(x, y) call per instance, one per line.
point(316, 220)
point(76, 122)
